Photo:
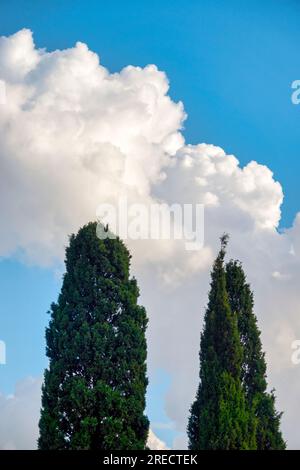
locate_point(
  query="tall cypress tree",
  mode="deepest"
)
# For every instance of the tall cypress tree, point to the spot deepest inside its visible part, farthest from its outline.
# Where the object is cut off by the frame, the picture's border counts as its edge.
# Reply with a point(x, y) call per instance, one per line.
point(94, 388)
point(268, 435)
point(220, 418)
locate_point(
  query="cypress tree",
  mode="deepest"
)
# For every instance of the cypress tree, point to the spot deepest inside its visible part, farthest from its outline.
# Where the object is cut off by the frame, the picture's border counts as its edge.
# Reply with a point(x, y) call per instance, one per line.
point(219, 416)
point(268, 435)
point(93, 395)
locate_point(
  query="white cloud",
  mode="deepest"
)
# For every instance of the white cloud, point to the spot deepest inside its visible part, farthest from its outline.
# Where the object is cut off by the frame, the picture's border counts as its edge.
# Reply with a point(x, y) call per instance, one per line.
point(19, 416)
point(216, 179)
point(74, 135)
point(154, 443)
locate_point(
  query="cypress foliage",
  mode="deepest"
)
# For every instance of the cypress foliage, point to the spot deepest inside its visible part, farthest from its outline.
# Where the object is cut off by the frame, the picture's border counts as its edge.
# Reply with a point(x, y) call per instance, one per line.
point(268, 435)
point(94, 388)
point(219, 417)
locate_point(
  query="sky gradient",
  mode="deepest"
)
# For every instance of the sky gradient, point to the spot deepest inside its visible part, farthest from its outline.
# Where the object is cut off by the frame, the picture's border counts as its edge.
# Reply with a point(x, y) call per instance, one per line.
point(230, 63)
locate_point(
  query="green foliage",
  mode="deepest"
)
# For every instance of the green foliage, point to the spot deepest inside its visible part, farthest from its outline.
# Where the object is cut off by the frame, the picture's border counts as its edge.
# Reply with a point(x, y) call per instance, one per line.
point(268, 435)
point(220, 417)
point(94, 389)
point(232, 409)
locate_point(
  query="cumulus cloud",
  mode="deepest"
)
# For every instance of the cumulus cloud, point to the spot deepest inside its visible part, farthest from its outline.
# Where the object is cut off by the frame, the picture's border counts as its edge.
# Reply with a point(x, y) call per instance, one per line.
point(73, 135)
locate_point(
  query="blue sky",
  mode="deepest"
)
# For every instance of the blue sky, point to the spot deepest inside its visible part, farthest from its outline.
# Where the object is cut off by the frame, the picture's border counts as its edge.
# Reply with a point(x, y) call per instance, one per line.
point(231, 63)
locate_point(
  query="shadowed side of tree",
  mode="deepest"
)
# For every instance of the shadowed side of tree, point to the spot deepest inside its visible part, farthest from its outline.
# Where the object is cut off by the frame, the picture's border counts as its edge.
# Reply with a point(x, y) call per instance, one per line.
point(94, 388)
point(268, 434)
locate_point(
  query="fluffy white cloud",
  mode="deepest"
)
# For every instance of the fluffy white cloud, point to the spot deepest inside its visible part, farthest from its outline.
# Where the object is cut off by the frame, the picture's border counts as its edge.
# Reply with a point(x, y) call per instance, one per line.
point(74, 135)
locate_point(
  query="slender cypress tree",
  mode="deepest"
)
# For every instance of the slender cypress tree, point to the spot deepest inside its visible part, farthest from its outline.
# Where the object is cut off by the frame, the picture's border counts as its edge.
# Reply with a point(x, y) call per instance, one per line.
point(268, 435)
point(220, 418)
point(94, 390)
